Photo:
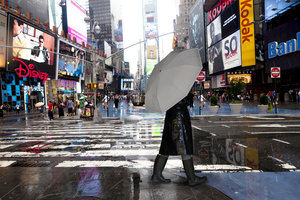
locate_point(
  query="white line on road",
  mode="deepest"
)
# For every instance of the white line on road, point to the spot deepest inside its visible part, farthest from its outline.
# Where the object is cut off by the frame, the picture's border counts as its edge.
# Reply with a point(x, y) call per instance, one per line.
point(282, 141)
point(273, 132)
point(4, 163)
point(226, 126)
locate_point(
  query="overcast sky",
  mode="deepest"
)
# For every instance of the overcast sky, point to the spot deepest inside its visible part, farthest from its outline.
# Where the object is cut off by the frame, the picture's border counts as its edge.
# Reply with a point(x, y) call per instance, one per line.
point(131, 13)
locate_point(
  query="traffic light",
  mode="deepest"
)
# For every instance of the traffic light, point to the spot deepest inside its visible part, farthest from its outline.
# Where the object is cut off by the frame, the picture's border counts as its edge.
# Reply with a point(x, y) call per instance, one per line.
point(89, 86)
point(175, 42)
point(94, 86)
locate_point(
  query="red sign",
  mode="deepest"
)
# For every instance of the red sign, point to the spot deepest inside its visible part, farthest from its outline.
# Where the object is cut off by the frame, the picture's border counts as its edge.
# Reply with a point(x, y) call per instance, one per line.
point(203, 154)
point(27, 71)
point(275, 72)
point(201, 77)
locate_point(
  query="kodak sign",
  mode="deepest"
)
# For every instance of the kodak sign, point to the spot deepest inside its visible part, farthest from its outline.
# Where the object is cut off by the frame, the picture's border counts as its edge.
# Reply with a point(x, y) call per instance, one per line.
point(247, 32)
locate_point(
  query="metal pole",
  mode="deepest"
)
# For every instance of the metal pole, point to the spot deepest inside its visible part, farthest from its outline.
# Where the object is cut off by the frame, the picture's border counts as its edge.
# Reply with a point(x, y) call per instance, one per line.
point(275, 99)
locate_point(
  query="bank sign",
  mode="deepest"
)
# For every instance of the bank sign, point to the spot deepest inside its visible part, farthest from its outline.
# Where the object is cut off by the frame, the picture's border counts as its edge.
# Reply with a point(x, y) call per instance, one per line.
point(283, 48)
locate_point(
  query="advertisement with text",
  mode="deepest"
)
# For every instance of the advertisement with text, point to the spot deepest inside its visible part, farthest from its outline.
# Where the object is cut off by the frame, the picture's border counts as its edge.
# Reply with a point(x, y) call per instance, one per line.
point(30, 55)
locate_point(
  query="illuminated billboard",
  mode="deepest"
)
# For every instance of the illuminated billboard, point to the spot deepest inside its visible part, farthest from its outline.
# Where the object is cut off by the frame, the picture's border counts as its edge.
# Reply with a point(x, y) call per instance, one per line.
point(246, 78)
point(32, 55)
point(70, 60)
point(231, 51)
point(127, 84)
point(197, 37)
point(76, 24)
point(3, 25)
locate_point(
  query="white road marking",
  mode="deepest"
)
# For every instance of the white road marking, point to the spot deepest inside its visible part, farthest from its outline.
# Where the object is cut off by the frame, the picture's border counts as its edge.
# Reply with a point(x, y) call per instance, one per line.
point(225, 126)
point(241, 145)
point(275, 132)
point(4, 163)
point(277, 140)
point(6, 146)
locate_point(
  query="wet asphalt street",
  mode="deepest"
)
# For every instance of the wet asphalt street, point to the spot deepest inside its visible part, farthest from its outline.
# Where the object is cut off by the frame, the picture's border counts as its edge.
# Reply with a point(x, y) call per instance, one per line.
point(253, 156)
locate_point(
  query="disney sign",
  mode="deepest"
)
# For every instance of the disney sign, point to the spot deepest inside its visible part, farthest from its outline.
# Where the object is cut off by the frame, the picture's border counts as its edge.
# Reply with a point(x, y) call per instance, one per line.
point(25, 70)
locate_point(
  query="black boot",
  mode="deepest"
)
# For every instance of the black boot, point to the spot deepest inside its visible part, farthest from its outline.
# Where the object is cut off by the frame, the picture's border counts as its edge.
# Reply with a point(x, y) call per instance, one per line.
point(192, 179)
point(159, 165)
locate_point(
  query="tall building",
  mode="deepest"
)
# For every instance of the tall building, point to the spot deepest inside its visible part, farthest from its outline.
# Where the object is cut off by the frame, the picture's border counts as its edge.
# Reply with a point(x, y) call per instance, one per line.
point(181, 26)
point(100, 11)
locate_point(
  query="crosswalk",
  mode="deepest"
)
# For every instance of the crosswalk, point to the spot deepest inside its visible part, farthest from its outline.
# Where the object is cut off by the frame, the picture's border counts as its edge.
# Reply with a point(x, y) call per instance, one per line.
point(78, 143)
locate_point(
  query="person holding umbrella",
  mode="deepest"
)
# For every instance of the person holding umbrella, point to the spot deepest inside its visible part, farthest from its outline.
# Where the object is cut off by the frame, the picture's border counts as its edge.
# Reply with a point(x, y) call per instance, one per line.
point(168, 90)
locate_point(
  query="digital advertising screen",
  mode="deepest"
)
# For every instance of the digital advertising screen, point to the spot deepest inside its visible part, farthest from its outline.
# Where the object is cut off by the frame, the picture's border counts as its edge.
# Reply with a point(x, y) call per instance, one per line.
point(127, 84)
point(272, 7)
point(215, 59)
point(214, 32)
point(230, 19)
point(3, 26)
point(197, 37)
point(231, 51)
point(31, 53)
point(76, 24)
point(246, 78)
point(70, 61)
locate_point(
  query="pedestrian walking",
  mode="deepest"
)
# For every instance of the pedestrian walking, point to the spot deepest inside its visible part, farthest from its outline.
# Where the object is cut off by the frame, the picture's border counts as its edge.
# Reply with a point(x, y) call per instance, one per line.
point(105, 101)
point(61, 109)
point(28, 108)
point(116, 101)
point(177, 140)
point(50, 110)
point(17, 109)
point(70, 107)
point(1, 110)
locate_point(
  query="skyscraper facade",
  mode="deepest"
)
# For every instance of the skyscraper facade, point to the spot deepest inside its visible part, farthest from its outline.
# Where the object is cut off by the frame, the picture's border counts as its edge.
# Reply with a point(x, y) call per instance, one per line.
point(100, 11)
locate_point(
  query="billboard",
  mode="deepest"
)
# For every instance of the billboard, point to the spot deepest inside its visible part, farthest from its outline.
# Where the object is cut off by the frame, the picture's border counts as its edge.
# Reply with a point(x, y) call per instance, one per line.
point(246, 78)
point(151, 26)
point(214, 32)
point(283, 49)
point(36, 8)
point(280, 5)
point(230, 19)
point(215, 58)
point(127, 84)
point(76, 24)
point(3, 25)
point(247, 33)
point(231, 51)
point(107, 51)
point(32, 55)
point(150, 64)
point(151, 52)
point(119, 32)
point(197, 37)
point(70, 60)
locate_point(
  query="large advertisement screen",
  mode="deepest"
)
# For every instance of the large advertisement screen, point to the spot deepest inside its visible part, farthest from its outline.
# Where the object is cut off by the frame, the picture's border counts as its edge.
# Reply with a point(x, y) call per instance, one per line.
point(76, 24)
point(214, 32)
point(151, 27)
point(215, 60)
point(284, 53)
point(31, 53)
point(230, 19)
point(127, 84)
point(231, 51)
point(70, 61)
point(197, 37)
point(35, 8)
point(3, 25)
point(272, 7)
point(246, 78)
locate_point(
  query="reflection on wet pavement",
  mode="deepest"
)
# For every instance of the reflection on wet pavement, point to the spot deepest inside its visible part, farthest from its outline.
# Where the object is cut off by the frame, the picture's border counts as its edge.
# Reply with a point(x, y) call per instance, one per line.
point(113, 159)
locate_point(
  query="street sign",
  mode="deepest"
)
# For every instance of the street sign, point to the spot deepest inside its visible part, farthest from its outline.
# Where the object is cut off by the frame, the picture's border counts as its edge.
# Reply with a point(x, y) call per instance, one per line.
point(275, 72)
point(201, 77)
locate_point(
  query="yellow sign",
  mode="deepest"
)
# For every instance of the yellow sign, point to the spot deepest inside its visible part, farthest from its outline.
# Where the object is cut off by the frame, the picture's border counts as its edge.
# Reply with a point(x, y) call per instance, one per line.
point(101, 86)
point(246, 78)
point(247, 32)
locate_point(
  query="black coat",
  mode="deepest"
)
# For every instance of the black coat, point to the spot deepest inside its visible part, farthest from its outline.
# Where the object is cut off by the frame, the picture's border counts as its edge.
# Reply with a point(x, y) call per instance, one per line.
point(177, 134)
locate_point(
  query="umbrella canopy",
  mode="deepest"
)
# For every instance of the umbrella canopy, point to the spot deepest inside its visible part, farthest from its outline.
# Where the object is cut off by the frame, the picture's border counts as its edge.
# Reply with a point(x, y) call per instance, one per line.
point(172, 79)
point(39, 104)
point(83, 97)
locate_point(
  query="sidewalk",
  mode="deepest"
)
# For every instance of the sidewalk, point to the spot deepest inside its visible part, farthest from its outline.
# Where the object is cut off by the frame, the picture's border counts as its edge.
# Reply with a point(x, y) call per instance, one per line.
point(13, 115)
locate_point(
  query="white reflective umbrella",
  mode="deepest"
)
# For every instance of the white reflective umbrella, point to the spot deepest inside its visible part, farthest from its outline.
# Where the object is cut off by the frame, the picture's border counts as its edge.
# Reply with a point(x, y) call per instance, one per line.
point(172, 79)
point(39, 104)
